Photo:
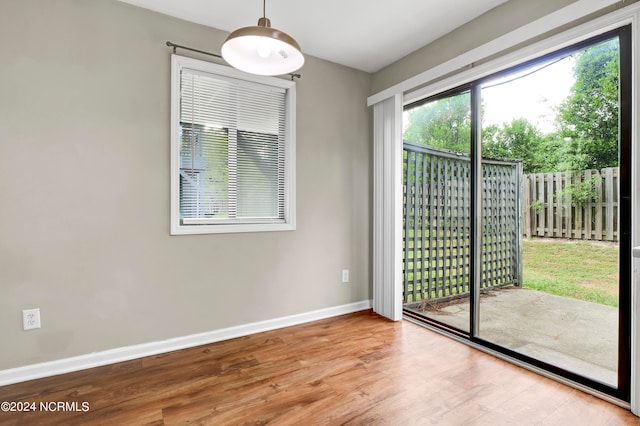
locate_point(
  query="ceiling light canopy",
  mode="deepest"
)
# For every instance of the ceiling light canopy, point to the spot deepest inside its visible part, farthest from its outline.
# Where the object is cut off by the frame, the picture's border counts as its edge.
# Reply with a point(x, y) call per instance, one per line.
point(262, 50)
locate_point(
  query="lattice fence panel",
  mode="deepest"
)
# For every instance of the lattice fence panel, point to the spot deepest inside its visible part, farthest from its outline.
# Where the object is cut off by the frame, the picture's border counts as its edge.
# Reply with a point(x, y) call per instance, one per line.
point(437, 224)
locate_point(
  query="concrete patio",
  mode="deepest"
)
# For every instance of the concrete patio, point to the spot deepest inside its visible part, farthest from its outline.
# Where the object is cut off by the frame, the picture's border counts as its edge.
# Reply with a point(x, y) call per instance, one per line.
point(578, 336)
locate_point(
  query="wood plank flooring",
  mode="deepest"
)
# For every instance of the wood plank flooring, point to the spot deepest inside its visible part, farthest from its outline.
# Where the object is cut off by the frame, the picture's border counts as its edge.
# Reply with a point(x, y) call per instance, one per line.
point(354, 369)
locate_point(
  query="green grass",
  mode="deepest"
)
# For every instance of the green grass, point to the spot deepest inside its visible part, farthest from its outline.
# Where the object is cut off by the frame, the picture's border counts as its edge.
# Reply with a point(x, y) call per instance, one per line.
point(577, 269)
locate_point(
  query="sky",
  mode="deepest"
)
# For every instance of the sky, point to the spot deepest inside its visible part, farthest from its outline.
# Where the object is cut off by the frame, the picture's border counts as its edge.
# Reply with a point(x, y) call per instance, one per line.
point(533, 97)
point(533, 93)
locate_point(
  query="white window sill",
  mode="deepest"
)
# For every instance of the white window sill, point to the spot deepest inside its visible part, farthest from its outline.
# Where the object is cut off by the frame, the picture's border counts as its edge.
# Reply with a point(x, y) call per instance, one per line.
point(229, 229)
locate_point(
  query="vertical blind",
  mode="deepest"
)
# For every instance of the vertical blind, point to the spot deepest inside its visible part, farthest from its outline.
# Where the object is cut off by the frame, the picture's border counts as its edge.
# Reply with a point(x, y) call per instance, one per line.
point(232, 150)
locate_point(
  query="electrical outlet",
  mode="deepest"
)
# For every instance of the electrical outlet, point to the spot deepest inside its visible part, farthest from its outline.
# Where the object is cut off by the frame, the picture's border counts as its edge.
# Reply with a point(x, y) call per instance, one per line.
point(30, 319)
point(345, 275)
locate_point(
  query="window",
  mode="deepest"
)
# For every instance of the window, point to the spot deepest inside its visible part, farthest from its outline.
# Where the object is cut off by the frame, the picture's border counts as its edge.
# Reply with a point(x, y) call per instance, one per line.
point(232, 150)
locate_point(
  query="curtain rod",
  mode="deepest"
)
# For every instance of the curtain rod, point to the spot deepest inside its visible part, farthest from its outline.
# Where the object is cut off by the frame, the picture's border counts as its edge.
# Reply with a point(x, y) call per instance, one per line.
point(177, 46)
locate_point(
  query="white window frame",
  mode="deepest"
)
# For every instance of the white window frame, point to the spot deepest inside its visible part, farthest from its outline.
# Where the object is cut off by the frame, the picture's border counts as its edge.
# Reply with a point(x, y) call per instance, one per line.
point(178, 63)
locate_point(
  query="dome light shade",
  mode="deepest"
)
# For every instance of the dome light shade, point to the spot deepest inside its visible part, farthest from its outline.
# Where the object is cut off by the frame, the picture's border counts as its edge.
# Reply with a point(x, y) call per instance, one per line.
point(262, 50)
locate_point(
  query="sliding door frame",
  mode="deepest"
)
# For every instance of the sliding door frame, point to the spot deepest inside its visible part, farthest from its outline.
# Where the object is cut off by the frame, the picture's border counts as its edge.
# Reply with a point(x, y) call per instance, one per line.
point(622, 391)
point(625, 31)
point(434, 81)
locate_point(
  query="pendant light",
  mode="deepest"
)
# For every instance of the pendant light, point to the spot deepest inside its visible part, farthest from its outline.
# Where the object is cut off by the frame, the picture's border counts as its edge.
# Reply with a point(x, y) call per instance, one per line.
point(262, 50)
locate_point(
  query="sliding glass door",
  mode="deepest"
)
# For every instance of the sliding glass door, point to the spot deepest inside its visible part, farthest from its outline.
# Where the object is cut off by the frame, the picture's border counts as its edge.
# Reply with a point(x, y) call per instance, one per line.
point(516, 227)
point(437, 208)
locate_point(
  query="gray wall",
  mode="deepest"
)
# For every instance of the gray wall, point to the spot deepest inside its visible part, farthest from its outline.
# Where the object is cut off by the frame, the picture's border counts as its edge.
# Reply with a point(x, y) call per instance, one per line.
point(84, 183)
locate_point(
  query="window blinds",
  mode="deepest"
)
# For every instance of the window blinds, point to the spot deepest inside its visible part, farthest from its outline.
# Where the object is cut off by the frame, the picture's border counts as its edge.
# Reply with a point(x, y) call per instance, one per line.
point(232, 150)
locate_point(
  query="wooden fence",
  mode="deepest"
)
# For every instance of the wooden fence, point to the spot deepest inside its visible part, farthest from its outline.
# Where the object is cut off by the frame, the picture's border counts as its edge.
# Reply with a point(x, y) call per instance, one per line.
point(437, 224)
point(555, 206)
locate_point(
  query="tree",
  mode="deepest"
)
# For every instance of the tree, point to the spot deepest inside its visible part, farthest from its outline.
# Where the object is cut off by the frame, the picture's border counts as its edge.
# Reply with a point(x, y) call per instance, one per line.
point(444, 123)
point(517, 140)
point(587, 136)
point(588, 118)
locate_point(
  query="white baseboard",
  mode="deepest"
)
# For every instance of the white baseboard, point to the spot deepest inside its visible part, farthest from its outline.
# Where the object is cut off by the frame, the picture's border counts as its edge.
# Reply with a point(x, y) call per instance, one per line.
point(111, 356)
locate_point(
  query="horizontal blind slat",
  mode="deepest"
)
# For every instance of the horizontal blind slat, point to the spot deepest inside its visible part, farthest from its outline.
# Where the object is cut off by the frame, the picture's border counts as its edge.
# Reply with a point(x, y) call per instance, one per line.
point(232, 149)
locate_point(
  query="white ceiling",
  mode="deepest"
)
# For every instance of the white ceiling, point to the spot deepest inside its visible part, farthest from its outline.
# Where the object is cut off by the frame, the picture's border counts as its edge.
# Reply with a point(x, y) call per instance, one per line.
point(363, 34)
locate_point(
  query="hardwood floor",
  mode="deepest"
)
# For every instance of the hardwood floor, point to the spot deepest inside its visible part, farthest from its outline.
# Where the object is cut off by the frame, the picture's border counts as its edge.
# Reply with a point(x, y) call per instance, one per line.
point(354, 369)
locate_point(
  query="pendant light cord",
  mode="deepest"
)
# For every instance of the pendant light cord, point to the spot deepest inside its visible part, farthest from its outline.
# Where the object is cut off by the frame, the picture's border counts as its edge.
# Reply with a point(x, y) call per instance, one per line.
point(264, 8)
